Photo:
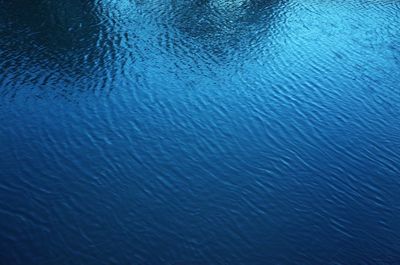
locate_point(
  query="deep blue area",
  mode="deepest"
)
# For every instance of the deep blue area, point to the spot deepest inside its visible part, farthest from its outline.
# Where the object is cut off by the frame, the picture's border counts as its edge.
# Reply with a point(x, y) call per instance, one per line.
point(199, 132)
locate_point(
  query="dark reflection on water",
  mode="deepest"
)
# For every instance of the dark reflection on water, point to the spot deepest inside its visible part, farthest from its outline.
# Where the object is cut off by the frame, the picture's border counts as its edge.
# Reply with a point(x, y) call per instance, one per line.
point(52, 44)
point(199, 132)
point(222, 25)
point(86, 42)
point(54, 25)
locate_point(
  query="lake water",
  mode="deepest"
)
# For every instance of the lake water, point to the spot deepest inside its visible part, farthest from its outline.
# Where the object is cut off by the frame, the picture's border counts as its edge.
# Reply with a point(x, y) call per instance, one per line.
point(199, 132)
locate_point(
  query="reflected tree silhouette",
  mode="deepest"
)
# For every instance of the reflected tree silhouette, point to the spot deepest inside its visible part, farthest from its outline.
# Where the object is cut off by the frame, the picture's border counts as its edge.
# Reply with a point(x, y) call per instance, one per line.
point(50, 44)
point(54, 24)
point(220, 25)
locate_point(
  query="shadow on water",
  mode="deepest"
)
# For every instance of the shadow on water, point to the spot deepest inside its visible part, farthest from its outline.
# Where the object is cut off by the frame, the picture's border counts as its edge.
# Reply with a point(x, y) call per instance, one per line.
point(78, 46)
point(55, 25)
point(215, 27)
point(222, 27)
point(50, 45)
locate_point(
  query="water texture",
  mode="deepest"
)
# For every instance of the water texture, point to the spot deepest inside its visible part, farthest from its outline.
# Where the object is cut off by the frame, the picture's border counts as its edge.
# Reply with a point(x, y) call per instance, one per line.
point(199, 132)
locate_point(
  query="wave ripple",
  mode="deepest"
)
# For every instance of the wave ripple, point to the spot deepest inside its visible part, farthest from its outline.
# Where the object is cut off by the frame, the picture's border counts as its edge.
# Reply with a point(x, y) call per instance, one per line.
point(199, 132)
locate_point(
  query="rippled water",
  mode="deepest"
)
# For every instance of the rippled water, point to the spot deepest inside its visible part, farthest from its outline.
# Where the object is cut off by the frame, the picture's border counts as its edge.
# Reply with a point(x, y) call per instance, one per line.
point(200, 132)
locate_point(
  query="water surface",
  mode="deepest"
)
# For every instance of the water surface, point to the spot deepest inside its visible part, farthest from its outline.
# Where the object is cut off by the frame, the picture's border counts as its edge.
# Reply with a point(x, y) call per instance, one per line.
point(199, 132)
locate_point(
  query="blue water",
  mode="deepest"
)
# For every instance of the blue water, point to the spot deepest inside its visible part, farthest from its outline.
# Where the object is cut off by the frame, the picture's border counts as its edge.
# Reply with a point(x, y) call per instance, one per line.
point(199, 132)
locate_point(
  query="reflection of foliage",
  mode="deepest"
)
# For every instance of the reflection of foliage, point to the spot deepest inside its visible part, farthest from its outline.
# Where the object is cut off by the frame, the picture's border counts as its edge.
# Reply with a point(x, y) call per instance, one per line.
point(218, 23)
point(50, 42)
point(57, 24)
point(81, 43)
point(209, 16)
